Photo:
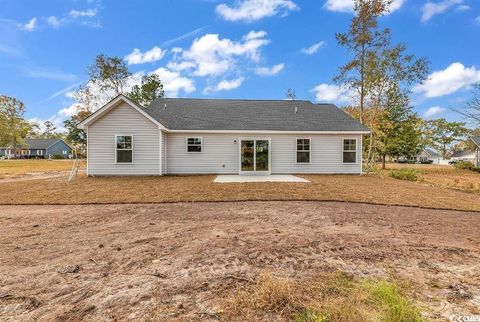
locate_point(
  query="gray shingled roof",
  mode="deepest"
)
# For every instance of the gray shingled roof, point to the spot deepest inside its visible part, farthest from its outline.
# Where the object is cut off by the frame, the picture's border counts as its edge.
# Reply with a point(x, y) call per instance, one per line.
point(459, 154)
point(476, 140)
point(250, 115)
point(40, 144)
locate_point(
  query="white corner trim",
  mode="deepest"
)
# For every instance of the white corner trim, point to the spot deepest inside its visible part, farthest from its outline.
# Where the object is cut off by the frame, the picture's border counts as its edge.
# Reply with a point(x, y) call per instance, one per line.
point(113, 103)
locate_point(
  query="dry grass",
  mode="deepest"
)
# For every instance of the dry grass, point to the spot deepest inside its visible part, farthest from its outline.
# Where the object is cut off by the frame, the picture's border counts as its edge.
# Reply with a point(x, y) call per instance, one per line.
point(105, 190)
point(18, 168)
point(330, 297)
point(444, 176)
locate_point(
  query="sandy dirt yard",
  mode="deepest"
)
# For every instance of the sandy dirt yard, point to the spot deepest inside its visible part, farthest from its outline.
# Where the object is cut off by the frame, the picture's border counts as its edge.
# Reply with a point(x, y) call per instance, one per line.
point(180, 261)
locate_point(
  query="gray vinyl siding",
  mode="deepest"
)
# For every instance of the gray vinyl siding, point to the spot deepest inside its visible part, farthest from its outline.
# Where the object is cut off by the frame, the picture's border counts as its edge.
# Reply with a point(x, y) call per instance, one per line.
point(123, 120)
point(220, 154)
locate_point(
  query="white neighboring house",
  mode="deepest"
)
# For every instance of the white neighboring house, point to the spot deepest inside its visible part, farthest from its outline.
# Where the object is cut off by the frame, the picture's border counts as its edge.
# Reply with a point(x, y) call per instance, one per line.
point(210, 136)
point(465, 155)
point(428, 154)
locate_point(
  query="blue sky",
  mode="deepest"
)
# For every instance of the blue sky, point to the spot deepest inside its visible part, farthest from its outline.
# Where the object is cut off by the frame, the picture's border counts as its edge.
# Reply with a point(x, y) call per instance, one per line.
point(226, 49)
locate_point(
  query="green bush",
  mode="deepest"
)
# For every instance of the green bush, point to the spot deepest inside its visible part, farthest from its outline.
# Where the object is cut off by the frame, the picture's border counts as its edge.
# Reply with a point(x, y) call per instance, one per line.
point(465, 165)
point(57, 156)
point(405, 174)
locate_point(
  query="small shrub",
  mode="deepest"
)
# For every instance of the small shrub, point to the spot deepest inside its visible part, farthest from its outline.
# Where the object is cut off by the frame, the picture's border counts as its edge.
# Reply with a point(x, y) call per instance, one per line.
point(465, 165)
point(405, 174)
point(57, 156)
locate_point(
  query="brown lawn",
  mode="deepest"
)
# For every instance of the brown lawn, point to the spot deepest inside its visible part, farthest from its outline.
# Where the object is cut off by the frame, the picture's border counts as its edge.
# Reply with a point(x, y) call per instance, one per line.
point(240, 261)
point(444, 176)
point(374, 189)
point(20, 168)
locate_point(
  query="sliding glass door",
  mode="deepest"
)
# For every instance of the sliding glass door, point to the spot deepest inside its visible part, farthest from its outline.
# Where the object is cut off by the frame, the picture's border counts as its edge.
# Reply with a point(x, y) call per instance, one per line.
point(255, 156)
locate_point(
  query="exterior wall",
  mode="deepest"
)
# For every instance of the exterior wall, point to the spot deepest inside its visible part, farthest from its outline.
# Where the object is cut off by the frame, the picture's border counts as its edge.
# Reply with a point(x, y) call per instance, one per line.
point(477, 159)
point(57, 149)
point(220, 154)
point(34, 153)
point(101, 147)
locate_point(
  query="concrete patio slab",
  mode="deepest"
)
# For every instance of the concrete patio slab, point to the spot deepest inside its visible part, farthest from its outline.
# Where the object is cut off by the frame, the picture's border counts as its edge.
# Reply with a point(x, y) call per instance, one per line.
point(257, 178)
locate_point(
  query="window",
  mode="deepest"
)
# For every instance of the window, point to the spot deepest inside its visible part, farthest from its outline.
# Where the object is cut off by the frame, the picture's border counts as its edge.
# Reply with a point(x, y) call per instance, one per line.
point(39, 152)
point(194, 144)
point(303, 150)
point(349, 150)
point(124, 149)
point(64, 152)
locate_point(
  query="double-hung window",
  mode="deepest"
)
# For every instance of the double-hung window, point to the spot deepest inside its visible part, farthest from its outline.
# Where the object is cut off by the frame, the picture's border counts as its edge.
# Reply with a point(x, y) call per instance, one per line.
point(349, 150)
point(303, 150)
point(194, 144)
point(124, 149)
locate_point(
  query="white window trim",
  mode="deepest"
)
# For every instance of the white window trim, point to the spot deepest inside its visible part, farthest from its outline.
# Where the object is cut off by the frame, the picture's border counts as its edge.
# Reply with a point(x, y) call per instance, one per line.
point(193, 137)
point(309, 151)
point(116, 161)
point(356, 151)
point(40, 152)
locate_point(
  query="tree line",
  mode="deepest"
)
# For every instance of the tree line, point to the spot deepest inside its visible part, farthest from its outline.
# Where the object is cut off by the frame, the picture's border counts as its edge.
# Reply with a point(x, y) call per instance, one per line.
point(108, 77)
point(379, 73)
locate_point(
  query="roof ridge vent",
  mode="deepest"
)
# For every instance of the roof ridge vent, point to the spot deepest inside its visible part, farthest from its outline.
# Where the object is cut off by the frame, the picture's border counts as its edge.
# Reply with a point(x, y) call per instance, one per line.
point(296, 110)
point(165, 106)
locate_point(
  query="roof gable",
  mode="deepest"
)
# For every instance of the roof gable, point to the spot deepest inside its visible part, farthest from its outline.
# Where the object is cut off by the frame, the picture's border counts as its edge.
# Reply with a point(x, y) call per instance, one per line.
point(111, 105)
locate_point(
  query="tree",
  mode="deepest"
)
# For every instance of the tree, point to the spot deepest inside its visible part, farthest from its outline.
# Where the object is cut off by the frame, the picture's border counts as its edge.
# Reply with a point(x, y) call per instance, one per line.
point(13, 127)
point(148, 90)
point(109, 73)
point(50, 131)
point(76, 136)
point(441, 134)
point(361, 40)
point(471, 110)
point(290, 94)
point(107, 78)
point(400, 133)
point(381, 74)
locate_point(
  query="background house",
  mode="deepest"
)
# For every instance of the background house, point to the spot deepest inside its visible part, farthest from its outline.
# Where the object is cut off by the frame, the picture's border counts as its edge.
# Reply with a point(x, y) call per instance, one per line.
point(38, 149)
point(465, 155)
point(427, 155)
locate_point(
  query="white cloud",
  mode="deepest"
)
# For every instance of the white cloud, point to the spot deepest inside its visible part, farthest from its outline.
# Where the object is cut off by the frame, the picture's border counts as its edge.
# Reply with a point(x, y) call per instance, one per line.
point(211, 56)
point(252, 10)
point(150, 56)
point(225, 85)
point(347, 5)
point(87, 13)
point(432, 111)
point(174, 83)
point(431, 9)
point(463, 8)
point(477, 20)
point(447, 81)
point(332, 93)
point(41, 72)
point(269, 71)
point(31, 25)
point(54, 21)
point(313, 48)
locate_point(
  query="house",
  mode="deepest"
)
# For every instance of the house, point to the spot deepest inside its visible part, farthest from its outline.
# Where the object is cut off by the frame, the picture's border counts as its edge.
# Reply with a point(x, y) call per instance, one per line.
point(221, 136)
point(465, 155)
point(38, 149)
point(428, 155)
point(476, 141)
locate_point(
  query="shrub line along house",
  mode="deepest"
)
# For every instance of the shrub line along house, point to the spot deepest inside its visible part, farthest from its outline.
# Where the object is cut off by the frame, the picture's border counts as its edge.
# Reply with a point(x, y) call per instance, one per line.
point(38, 149)
point(222, 136)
